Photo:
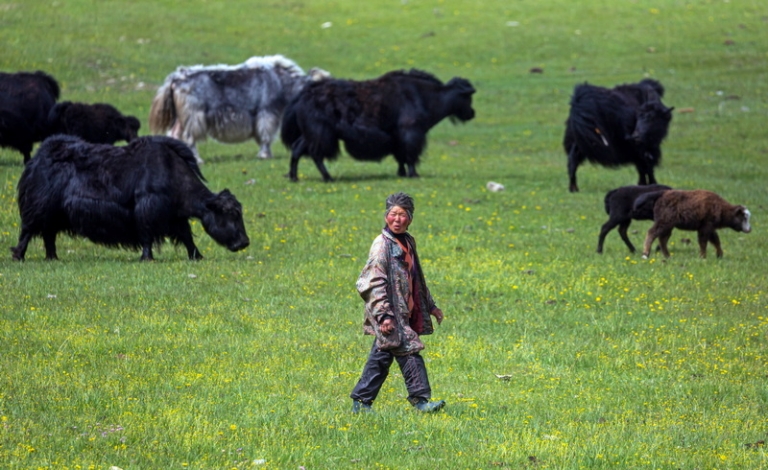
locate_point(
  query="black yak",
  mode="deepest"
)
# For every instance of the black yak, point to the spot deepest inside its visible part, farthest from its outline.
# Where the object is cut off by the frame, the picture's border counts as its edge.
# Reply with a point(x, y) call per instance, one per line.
point(697, 210)
point(618, 205)
point(26, 98)
point(620, 126)
point(97, 123)
point(132, 196)
point(375, 118)
point(231, 103)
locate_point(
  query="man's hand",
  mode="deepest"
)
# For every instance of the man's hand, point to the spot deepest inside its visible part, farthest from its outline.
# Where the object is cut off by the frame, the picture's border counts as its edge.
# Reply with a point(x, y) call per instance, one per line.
point(387, 326)
point(438, 314)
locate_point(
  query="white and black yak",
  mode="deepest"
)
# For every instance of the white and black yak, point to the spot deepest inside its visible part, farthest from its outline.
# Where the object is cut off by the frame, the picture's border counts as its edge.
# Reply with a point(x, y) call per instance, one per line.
point(389, 115)
point(697, 210)
point(619, 204)
point(97, 123)
point(624, 125)
point(26, 98)
point(132, 196)
point(230, 103)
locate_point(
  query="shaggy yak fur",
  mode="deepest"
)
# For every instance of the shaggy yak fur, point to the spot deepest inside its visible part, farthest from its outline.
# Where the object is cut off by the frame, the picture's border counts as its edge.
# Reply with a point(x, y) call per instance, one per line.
point(26, 98)
point(133, 196)
point(374, 118)
point(618, 206)
point(698, 210)
point(613, 127)
point(98, 123)
point(230, 103)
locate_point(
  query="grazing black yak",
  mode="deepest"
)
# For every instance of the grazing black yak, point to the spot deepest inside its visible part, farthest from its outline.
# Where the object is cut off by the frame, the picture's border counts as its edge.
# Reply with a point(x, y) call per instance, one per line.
point(697, 210)
point(132, 196)
point(97, 123)
point(26, 98)
point(620, 126)
point(375, 118)
point(618, 206)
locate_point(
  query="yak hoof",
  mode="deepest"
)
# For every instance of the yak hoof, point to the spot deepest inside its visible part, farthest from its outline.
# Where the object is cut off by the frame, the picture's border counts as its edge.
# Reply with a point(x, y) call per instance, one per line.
point(15, 254)
point(645, 256)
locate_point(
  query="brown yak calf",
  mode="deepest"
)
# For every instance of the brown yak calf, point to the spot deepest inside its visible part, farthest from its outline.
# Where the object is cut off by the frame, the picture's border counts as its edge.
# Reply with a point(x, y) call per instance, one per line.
point(698, 210)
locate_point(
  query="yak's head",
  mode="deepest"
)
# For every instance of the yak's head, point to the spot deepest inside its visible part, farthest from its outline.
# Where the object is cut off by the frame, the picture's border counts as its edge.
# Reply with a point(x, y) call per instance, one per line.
point(740, 221)
point(459, 96)
point(223, 221)
point(131, 127)
point(316, 74)
point(652, 124)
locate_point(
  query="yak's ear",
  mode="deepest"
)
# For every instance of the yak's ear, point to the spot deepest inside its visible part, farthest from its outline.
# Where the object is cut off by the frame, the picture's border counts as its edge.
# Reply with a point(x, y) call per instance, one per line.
point(461, 84)
point(133, 123)
point(669, 110)
point(225, 203)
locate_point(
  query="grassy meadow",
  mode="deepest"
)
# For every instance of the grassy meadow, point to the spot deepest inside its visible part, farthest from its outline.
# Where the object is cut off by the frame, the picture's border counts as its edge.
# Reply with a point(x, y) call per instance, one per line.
point(246, 360)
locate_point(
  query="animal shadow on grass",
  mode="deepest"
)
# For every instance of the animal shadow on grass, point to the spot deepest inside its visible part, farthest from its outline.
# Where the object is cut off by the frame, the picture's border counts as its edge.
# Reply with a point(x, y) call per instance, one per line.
point(229, 158)
point(11, 162)
point(359, 178)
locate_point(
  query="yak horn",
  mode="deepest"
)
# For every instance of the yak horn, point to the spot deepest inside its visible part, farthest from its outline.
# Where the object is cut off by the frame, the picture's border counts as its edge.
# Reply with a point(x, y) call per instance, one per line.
point(605, 141)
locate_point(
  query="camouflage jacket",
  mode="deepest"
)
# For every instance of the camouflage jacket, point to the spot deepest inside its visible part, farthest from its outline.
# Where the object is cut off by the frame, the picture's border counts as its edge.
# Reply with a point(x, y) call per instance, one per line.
point(384, 286)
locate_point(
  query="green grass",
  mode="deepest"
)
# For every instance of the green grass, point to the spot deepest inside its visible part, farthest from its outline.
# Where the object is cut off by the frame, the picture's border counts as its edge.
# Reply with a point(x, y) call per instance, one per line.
point(246, 360)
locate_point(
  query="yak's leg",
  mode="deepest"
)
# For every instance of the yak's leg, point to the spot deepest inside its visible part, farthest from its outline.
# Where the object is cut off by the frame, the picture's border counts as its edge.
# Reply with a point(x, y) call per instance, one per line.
point(175, 130)
point(407, 153)
point(645, 171)
point(641, 179)
point(193, 147)
point(321, 168)
point(714, 238)
point(607, 227)
point(21, 249)
point(182, 132)
point(574, 161)
point(265, 151)
point(623, 232)
point(297, 150)
point(663, 239)
point(146, 252)
point(651, 177)
point(26, 150)
point(401, 169)
point(150, 223)
point(704, 236)
point(265, 129)
point(652, 234)
point(49, 240)
point(183, 233)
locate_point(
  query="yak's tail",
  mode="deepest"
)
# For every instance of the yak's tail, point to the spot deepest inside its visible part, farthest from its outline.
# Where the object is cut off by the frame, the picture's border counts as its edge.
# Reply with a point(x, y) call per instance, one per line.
point(607, 200)
point(289, 128)
point(162, 115)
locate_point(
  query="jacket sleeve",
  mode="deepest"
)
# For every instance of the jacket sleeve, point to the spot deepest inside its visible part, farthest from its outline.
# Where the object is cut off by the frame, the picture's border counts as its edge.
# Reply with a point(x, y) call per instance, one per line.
point(427, 294)
point(372, 283)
